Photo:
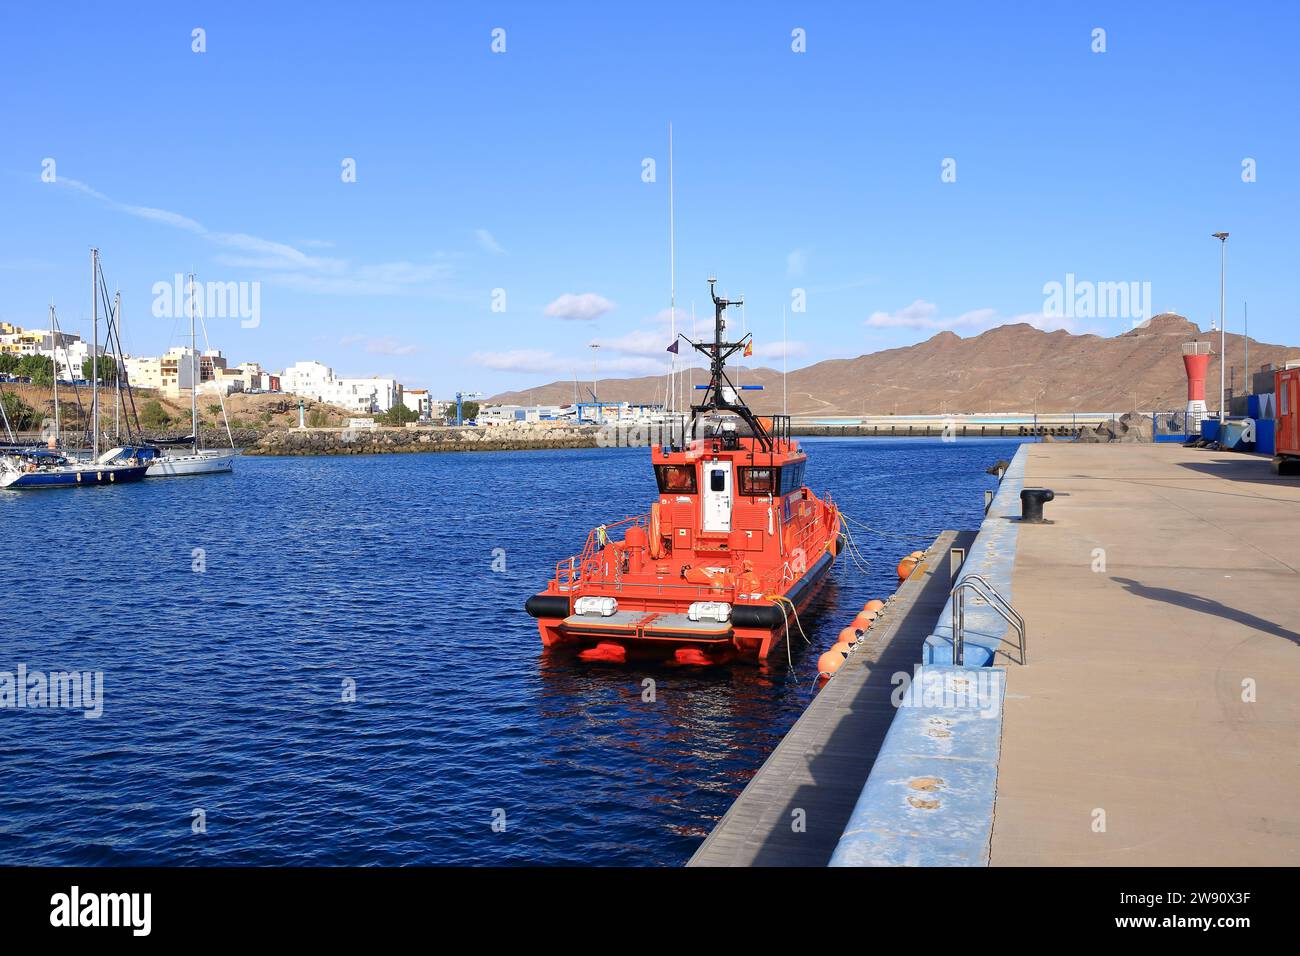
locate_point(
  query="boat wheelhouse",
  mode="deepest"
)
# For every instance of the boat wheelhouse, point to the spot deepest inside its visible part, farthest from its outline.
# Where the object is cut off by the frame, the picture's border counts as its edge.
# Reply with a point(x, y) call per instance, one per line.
point(730, 552)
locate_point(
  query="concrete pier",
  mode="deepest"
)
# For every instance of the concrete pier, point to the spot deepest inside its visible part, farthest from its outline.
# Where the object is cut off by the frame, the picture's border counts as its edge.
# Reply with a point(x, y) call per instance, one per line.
point(795, 808)
point(1158, 722)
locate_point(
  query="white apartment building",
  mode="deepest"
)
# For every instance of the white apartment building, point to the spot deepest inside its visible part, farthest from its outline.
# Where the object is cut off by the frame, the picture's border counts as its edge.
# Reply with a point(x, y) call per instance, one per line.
point(418, 401)
point(67, 349)
point(317, 380)
point(69, 356)
point(254, 377)
point(169, 373)
point(223, 380)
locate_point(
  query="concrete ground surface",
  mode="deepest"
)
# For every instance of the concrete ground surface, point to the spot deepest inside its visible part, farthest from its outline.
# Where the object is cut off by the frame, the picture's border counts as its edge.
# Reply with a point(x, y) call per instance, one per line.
point(1158, 721)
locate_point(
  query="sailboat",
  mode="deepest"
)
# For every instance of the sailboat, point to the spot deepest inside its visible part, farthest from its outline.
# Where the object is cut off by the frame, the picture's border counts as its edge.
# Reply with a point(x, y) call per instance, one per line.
point(34, 467)
point(199, 460)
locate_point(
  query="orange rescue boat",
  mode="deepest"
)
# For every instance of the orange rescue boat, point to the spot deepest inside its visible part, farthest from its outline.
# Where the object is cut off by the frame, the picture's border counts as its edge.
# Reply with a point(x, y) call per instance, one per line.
point(735, 546)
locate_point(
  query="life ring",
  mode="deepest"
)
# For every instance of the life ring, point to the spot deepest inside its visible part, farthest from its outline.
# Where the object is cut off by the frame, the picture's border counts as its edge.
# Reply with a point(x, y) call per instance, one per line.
point(656, 535)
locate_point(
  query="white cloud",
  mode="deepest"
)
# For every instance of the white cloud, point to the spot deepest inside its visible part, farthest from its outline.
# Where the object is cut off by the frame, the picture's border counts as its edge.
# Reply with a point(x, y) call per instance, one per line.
point(582, 308)
point(644, 342)
point(775, 350)
point(924, 315)
point(286, 264)
point(521, 360)
point(488, 242)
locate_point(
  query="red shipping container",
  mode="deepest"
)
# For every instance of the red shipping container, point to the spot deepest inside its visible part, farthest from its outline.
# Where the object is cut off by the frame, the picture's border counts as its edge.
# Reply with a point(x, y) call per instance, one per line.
point(1287, 440)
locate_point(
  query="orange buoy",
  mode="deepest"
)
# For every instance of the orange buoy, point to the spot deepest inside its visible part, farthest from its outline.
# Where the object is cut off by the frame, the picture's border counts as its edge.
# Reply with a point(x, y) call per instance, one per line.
point(848, 635)
point(829, 663)
point(864, 620)
point(874, 605)
point(833, 659)
point(908, 565)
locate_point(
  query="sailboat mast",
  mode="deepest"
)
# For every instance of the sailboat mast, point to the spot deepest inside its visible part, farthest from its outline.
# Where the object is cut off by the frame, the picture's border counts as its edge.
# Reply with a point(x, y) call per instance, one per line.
point(94, 355)
point(116, 330)
point(194, 373)
point(54, 351)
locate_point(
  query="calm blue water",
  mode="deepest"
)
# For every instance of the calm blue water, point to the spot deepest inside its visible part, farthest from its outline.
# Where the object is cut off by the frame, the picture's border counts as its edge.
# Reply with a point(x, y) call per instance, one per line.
point(223, 688)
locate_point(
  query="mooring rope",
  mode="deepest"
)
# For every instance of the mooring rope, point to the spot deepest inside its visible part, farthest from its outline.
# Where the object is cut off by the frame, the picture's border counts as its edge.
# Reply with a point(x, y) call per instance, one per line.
point(887, 534)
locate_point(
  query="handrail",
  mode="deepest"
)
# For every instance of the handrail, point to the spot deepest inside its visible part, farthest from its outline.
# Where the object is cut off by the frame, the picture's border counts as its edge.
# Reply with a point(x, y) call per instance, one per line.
point(978, 584)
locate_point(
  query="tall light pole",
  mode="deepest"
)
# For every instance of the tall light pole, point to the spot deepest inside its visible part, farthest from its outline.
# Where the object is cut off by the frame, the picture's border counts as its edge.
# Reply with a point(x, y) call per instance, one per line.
point(1223, 332)
point(595, 350)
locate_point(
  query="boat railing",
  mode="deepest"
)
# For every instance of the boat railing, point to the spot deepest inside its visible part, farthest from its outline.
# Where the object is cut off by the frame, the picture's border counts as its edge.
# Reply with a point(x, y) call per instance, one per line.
point(581, 565)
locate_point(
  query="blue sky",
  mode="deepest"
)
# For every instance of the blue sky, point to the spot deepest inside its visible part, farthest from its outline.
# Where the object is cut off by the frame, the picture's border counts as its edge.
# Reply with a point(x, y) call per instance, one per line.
point(523, 171)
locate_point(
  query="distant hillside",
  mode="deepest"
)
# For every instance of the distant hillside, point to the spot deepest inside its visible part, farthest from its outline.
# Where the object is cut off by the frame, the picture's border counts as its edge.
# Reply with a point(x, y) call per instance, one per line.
point(1009, 368)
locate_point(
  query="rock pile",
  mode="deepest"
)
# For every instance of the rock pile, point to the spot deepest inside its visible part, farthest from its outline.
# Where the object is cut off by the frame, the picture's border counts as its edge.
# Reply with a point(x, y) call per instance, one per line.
point(378, 441)
point(1130, 427)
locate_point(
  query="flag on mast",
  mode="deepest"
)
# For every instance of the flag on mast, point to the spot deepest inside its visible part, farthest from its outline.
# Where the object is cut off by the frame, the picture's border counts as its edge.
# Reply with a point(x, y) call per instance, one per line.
point(749, 348)
point(672, 348)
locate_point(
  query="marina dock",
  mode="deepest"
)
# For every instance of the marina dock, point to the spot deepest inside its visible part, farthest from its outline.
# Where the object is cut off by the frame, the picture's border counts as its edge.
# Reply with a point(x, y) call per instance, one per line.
point(1155, 723)
point(821, 764)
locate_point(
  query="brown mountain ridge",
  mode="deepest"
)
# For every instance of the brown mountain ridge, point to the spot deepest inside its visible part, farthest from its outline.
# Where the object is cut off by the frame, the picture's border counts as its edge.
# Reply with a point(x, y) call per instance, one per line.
point(1011, 368)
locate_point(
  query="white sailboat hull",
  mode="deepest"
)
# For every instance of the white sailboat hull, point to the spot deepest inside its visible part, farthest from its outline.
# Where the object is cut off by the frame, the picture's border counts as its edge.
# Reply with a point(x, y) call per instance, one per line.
point(202, 463)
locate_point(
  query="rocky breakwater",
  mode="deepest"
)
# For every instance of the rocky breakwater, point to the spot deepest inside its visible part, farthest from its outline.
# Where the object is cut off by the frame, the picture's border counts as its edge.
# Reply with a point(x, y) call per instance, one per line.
point(1130, 427)
point(381, 441)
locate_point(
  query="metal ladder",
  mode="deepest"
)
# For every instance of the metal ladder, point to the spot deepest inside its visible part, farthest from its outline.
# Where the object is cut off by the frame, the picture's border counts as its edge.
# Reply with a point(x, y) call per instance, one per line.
point(978, 584)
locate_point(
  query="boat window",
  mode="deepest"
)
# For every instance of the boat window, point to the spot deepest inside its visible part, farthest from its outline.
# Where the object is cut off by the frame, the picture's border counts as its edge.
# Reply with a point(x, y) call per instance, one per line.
point(792, 476)
point(676, 479)
point(717, 480)
point(757, 481)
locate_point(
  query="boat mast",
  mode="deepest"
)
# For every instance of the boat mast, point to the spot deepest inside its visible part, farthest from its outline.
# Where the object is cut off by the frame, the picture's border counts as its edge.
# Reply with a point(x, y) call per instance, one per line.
point(785, 364)
point(721, 394)
point(672, 275)
point(116, 330)
point(94, 356)
point(194, 373)
point(54, 351)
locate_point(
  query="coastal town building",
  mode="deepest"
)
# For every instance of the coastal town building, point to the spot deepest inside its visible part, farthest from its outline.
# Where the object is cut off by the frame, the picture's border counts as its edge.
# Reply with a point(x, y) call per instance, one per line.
point(418, 401)
point(316, 380)
point(67, 349)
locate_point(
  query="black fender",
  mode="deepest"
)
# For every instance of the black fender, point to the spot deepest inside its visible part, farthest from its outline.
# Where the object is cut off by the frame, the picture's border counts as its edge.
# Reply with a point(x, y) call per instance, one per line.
point(547, 605)
point(769, 617)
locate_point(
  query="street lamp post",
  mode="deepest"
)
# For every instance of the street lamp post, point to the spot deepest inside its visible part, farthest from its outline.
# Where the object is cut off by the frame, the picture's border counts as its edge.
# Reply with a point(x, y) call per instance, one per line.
point(1223, 332)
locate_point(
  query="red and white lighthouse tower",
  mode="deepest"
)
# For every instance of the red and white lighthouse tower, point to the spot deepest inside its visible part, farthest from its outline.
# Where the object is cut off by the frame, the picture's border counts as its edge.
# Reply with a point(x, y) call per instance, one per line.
point(1196, 359)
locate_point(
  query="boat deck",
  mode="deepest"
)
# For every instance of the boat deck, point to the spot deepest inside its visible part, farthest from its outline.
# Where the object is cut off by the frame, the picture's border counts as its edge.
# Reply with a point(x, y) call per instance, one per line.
point(821, 764)
point(1135, 703)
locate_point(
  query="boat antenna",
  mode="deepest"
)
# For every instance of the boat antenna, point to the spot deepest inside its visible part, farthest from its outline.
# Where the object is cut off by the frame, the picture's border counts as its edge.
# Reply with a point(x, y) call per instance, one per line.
point(672, 273)
point(721, 394)
point(785, 364)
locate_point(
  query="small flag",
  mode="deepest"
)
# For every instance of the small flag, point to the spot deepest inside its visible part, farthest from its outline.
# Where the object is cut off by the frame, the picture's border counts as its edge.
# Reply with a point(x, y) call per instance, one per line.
point(749, 348)
point(672, 348)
